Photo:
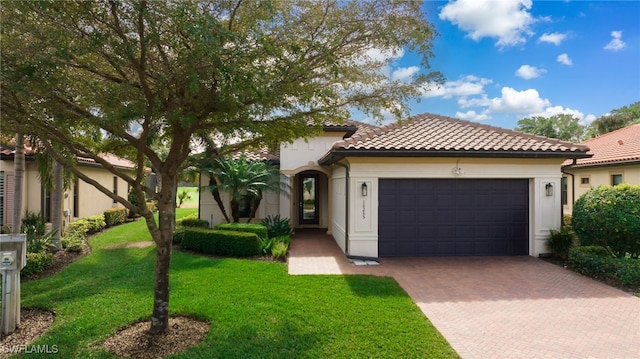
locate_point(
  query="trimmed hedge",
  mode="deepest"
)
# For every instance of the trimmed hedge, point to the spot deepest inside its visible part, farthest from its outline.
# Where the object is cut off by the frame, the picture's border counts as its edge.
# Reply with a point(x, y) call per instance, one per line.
point(37, 263)
point(115, 216)
point(219, 242)
point(609, 216)
point(256, 228)
point(597, 260)
point(192, 221)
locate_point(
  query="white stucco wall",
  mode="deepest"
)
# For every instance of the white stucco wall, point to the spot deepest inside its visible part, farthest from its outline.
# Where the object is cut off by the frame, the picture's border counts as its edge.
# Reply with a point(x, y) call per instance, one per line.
point(598, 176)
point(210, 211)
point(338, 206)
point(544, 211)
point(306, 152)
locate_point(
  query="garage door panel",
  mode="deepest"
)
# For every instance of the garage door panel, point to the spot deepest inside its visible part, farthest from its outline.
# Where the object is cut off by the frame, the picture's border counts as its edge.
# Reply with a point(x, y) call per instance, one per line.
point(445, 217)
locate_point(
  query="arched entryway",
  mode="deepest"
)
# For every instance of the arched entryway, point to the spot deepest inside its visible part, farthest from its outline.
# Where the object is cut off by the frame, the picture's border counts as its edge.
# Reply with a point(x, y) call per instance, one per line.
point(310, 199)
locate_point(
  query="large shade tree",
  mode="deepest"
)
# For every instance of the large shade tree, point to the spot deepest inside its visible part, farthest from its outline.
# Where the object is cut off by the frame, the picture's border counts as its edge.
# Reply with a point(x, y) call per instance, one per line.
point(122, 76)
point(616, 119)
point(562, 126)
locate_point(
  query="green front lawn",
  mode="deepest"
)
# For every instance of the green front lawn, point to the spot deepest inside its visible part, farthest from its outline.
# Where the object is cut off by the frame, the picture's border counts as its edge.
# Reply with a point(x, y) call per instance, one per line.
point(255, 308)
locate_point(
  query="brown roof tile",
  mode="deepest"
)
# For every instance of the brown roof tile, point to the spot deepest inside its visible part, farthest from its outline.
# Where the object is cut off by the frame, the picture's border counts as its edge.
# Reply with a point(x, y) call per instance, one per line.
point(622, 145)
point(433, 133)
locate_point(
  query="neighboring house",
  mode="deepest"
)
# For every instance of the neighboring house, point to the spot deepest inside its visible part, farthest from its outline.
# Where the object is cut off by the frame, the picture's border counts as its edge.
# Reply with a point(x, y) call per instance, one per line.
point(432, 186)
point(81, 200)
point(616, 159)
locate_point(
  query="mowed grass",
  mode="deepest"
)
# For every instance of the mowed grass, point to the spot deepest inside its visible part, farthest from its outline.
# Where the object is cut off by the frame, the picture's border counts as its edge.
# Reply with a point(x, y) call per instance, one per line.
point(255, 308)
point(192, 201)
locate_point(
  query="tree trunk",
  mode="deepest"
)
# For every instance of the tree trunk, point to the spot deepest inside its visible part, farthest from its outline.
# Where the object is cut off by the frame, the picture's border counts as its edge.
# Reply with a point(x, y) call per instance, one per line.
point(56, 205)
point(216, 196)
point(163, 238)
point(18, 170)
point(255, 203)
point(235, 210)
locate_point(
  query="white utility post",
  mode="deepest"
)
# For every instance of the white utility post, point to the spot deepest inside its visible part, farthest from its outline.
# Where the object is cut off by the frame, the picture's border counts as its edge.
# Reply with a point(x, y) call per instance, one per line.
point(13, 257)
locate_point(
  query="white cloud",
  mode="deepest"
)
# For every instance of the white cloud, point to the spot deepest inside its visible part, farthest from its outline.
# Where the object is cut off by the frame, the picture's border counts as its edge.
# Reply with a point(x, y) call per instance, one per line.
point(565, 59)
point(557, 110)
point(465, 86)
point(404, 73)
point(471, 116)
point(506, 20)
point(512, 101)
point(616, 43)
point(554, 38)
point(529, 72)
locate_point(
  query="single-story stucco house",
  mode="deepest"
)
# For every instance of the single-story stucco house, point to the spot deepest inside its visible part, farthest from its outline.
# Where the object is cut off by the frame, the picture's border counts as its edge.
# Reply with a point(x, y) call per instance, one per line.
point(80, 201)
point(616, 159)
point(430, 186)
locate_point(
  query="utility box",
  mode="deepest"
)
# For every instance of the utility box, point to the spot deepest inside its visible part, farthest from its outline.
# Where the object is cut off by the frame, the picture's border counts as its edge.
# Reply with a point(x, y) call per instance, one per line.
point(13, 257)
point(13, 248)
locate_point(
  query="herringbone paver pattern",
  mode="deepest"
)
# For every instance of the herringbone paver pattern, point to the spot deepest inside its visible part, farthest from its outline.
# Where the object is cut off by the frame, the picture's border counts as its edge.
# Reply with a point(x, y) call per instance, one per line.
point(499, 307)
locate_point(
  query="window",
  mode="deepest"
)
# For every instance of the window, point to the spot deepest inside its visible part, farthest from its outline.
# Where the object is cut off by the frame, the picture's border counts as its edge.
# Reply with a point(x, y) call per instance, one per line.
point(616, 179)
point(563, 190)
point(1, 197)
point(115, 187)
point(584, 181)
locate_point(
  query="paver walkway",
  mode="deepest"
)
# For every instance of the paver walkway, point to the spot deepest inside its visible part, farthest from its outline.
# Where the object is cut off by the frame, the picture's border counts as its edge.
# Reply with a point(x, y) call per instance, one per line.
point(499, 307)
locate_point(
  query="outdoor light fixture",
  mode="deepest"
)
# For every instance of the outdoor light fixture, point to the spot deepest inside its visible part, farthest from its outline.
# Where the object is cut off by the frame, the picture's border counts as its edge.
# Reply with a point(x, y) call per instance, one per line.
point(548, 189)
point(363, 188)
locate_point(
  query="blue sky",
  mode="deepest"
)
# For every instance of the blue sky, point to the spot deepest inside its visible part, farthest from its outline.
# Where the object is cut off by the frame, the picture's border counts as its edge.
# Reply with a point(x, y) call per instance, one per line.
point(504, 60)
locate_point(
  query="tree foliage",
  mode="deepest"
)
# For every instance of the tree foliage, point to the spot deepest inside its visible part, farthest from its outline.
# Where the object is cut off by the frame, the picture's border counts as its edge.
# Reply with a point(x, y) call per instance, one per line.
point(563, 127)
point(121, 77)
point(617, 119)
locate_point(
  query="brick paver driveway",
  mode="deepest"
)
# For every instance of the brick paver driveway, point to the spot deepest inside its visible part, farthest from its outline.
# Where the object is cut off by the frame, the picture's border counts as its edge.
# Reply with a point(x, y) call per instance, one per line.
point(500, 307)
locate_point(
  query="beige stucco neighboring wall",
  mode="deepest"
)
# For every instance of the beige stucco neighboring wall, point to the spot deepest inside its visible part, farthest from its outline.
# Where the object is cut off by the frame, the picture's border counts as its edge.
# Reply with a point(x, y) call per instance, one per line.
point(597, 176)
point(210, 211)
point(91, 201)
point(544, 212)
point(306, 152)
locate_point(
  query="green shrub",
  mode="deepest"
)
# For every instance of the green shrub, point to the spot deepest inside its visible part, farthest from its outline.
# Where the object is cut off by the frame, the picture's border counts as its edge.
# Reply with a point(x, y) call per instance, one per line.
point(609, 216)
point(32, 224)
point(277, 226)
point(560, 241)
point(133, 199)
point(96, 223)
point(256, 228)
point(37, 263)
point(266, 244)
point(283, 239)
point(178, 235)
point(192, 221)
point(279, 251)
point(72, 244)
point(221, 242)
point(39, 244)
point(595, 260)
point(115, 216)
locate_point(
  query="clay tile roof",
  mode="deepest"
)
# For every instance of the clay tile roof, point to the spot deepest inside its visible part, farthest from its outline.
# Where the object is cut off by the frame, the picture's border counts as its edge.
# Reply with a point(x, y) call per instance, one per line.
point(622, 145)
point(112, 159)
point(261, 154)
point(439, 134)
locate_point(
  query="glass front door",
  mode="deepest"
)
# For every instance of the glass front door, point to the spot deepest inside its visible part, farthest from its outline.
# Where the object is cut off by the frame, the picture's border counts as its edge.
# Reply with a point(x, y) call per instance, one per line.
point(308, 199)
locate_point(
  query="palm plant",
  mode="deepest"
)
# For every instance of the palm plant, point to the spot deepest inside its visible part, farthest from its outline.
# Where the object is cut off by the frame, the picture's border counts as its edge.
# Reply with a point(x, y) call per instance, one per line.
point(244, 177)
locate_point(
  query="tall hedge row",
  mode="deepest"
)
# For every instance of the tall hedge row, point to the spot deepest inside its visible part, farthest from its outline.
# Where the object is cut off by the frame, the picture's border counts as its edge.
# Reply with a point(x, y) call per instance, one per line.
point(219, 242)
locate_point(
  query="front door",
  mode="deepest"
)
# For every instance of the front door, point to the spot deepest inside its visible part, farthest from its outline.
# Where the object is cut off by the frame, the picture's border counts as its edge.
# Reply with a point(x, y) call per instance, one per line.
point(308, 199)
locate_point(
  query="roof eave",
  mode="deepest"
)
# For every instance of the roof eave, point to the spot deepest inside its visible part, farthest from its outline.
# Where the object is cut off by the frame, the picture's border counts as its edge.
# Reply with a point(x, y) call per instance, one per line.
point(338, 154)
point(604, 164)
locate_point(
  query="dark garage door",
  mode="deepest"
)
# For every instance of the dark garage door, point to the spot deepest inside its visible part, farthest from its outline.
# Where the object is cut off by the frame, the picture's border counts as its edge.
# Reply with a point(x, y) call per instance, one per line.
point(453, 217)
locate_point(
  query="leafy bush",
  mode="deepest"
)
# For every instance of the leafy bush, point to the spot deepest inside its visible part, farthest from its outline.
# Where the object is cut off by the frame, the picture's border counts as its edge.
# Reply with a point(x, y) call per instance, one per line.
point(72, 244)
point(279, 251)
point(609, 216)
point(37, 263)
point(32, 224)
point(192, 221)
point(560, 241)
point(283, 239)
point(96, 223)
point(266, 244)
point(597, 260)
point(221, 242)
point(256, 228)
point(39, 244)
point(115, 216)
point(133, 199)
point(178, 235)
point(277, 226)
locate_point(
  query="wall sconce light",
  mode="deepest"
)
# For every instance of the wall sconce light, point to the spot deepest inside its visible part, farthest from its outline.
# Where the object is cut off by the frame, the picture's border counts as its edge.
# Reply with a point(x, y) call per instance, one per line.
point(363, 188)
point(548, 189)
